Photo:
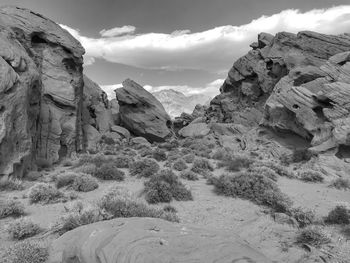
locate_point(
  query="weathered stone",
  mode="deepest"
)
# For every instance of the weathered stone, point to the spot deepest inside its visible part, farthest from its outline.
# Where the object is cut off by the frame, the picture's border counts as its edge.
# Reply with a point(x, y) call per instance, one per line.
point(132, 240)
point(121, 131)
point(139, 141)
point(141, 113)
point(195, 130)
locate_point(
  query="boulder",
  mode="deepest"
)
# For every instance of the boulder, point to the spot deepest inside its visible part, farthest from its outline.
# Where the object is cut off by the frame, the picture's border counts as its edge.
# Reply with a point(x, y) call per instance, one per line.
point(139, 141)
point(121, 131)
point(253, 77)
point(314, 103)
point(41, 91)
point(195, 130)
point(132, 240)
point(115, 111)
point(141, 113)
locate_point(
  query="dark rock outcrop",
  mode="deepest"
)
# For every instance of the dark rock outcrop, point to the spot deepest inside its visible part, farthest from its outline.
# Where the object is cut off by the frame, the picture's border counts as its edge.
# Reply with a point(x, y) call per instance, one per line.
point(254, 76)
point(141, 113)
point(41, 91)
point(132, 240)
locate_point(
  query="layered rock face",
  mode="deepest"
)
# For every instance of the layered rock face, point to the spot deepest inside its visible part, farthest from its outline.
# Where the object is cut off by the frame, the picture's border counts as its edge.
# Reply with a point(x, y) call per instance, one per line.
point(41, 90)
point(253, 77)
point(141, 113)
point(314, 103)
point(132, 240)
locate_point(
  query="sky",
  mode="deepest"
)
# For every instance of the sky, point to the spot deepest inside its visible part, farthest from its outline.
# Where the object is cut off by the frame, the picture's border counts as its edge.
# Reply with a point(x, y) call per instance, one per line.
point(186, 45)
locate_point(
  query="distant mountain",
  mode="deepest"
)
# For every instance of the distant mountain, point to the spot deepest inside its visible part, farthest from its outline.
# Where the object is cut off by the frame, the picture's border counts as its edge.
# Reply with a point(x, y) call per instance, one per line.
point(176, 102)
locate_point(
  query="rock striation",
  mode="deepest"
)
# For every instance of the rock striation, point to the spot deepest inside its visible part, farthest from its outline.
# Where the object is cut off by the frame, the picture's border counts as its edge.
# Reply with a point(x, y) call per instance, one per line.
point(141, 113)
point(253, 77)
point(148, 240)
point(41, 91)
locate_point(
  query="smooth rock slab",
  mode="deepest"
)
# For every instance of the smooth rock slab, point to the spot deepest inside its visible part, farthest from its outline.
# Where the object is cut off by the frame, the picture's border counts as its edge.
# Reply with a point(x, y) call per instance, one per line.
point(150, 240)
point(195, 130)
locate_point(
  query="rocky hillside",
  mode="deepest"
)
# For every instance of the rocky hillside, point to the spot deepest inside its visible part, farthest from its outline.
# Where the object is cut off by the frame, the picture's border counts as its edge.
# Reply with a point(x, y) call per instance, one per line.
point(176, 102)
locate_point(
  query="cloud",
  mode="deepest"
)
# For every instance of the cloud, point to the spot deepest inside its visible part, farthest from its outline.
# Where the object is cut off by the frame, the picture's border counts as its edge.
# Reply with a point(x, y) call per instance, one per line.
point(212, 50)
point(117, 31)
point(211, 89)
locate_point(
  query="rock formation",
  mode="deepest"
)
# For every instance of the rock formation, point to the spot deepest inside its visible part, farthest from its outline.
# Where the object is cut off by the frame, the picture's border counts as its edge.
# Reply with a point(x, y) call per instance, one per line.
point(41, 90)
point(253, 77)
point(141, 113)
point(132, 240)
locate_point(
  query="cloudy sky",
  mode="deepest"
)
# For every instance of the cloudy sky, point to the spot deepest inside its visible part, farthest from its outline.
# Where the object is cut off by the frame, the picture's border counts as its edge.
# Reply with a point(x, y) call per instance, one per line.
point(188, 45)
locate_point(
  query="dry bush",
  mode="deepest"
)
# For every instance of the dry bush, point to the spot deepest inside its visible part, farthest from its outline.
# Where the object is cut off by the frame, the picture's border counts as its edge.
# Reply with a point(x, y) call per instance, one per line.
point(310, 176)
point(313, 236)
point(27, 251)
point(109, 171)
point(22, 228)
point(44, 193)
point(88, 168)
point(220, 154)
point(302, 216)
point(189, 158)
point(66, 179)
point(159, 155)
point(146, 152)
point(340, 183)
point(11, 208)
point(84, 183)
point(185, 151)
point(339, 215)
point(170, 209)
point(96, 159)
point(254, 187)
point(144, 168)
point(189, 175)
point(279, 169)
point(235, 163)
point(180, 165)
point(122, 161)
point(265, 171)
point(11, 185)
point(165, 186)
point(201, 166)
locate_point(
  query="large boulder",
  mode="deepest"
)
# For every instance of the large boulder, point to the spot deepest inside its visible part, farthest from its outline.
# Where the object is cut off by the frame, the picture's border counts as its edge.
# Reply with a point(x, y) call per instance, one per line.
point(253, 77)
point(150, 240)
point(314, 102)
point(141, 113)
point(41, 91)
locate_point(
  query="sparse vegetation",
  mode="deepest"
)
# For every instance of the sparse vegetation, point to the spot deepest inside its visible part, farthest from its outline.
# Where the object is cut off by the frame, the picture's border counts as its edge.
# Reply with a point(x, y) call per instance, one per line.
point(189, 158)
point(302, 216)
point(170, 209)
point(279, 169)
point(11, 208)
point(254, 187)
point(109, 171)
point(84, 183)
point(311, 176)
point(180, 165)
point(27, 251)
point(122, 161)
point(65, 179)
point(220, 154)
point(96, 159)
point(165, 186)
point(22, 228)
point(339, 215)
point(313, 236)
point(44, 193)
point(11, 185)
point(159, 155)
point(297, 156)
point(189, 175)
point(144, 168)
point(86, 169)
point(340, 183)
point(265, 171)
point(235, 163)
point(201, 166)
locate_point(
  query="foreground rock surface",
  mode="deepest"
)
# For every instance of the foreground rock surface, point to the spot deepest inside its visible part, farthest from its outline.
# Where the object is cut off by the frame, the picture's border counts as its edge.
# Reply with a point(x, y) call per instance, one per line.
point(141, 113)
point(150, 240)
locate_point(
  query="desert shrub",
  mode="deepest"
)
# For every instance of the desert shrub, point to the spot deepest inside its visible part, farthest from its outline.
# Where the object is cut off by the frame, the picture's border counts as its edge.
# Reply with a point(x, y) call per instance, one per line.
point(311, 176)
point(146, 152)
point(201, 166)
point(297, 156)
point(11, 208)
point(189, 158)
point(27, 251)
point(279, 169)
point(180, 165)
point(170, 209)
point(84, 183)
point(340, 183)
point(159, 155)
point(189, 175)
point(338, 215)
point(312, 235)
point(144, 168)
point(11, 185)
point(96, 159)
point(22, 228)
point(186, 151)
point(187, 142)
point(43, 163)
point(129, 152)
point(44, 193)
point(122, 161)
point(220, 154)
point(88, 168)
point(236, 163)
point(302, 216)
point(166, 145)
point(66, 179)
point(254, 187)
point(122, 205)
point(265, 171)
point(33, 176)
point(109, 171)
point(165, 186)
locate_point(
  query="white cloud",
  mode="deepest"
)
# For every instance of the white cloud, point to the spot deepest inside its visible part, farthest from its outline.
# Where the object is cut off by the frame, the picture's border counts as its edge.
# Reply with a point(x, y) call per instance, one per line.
point(117, 31)
point(211, 89)
point(213, 50)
